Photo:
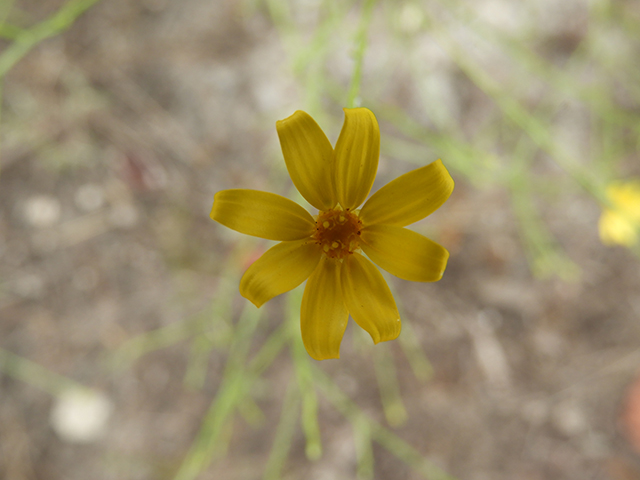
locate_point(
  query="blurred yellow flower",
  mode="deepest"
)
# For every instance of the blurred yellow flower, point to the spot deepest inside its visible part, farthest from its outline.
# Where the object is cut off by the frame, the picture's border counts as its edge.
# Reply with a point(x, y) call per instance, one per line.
point(620, 223)
point(327, 249)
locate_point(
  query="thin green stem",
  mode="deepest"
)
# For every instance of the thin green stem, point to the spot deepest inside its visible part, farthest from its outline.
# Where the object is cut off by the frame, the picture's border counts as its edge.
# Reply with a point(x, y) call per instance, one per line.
point(236, 384)
point(358, 56)
point(304, 376)
point(410, 344)
point(25, 40)
point(284, 434)
point(364, 450)
point(34, 374)
point(385, 369)
point(380, 434)
point(209, 327)
point(232, 390)
point(516, 113)
point(29, 38)
point(5, 9)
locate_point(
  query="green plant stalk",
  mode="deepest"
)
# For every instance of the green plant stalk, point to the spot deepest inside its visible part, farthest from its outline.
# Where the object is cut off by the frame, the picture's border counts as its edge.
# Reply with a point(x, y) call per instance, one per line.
point(196, 373)
point(235, 386)
point(216, 420)
point(308, 57)
point(284, 434)
point(5, 8)
point(560, 79)
point(274, 344)
point(163, 337)
point(36, 375)
point(618, 19)
point(6, 31)
point(518, 115)
point(420, 364)
point(10, 32)
point(418, 361)
point(545, 255)
point(251, 412)
point(384, 365)
point(380, 434)
point(201, 323)
point(29, 38)
point(203, 343)
point(364, 451)
point(309, 62)
point(477, 165)
point(232, 389)
point(358, 56)
point(25, 40)
point(304, 377)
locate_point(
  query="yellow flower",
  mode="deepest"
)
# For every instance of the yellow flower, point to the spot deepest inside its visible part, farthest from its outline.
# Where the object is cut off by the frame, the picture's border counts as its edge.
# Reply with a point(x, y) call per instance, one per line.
point(327, 249)
point(620, 223)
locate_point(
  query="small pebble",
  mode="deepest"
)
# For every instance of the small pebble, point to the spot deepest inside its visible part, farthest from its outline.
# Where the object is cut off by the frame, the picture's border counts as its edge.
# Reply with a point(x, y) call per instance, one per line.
point(569, 418)
point(89, 197)
point(81, 416)
point(29, 286)
point(42, 211)
point(123, 215)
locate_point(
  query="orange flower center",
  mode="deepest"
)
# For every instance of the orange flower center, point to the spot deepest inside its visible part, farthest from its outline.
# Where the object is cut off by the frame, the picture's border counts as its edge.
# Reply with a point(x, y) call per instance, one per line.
point(338, 232)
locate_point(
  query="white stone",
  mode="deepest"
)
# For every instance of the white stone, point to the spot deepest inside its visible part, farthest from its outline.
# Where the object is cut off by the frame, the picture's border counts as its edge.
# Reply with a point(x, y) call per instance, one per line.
point(42, 211)
point(81, 415)
point(569, 418)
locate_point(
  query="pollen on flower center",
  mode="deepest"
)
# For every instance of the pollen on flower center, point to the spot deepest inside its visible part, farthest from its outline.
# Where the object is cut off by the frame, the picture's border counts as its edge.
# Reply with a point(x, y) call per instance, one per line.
point(338, 232)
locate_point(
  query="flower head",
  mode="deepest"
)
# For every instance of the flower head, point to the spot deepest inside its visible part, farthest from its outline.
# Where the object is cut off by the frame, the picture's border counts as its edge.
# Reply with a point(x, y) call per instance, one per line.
point(620, 224)
point(327, 249)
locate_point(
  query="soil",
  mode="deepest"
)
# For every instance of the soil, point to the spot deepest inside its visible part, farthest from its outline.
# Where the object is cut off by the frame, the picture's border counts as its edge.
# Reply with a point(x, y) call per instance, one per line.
point(117, 134)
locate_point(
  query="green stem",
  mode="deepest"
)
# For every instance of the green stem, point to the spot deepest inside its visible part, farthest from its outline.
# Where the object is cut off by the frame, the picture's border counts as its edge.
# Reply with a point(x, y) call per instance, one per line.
point(284, 434)
point(358, 57)
point(34, 374)
point(27, 39)
point(380, 434)
point(232, 390)
point(304, 377)
point(385, 369)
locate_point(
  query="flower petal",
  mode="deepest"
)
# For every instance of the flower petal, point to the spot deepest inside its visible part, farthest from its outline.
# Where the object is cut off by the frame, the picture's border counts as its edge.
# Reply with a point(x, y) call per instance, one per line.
point(280, 269)
point(615, 228)
point(357, 152)
point(404, 253)
point(368, 299)
point(309, 158)
point(323, 316)
point(625, 198)
point(262, 214)
point(410, 197)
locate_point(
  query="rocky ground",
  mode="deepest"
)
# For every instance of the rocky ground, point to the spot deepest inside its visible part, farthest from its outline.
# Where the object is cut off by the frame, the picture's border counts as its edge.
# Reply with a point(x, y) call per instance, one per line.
point(117, 134)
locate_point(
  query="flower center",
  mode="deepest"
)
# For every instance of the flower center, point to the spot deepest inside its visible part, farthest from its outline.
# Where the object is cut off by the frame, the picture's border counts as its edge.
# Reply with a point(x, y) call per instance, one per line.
point(338, 232)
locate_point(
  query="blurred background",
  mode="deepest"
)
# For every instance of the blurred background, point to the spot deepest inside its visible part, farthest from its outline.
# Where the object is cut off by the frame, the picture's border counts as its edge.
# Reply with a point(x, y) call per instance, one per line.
point(126, 351)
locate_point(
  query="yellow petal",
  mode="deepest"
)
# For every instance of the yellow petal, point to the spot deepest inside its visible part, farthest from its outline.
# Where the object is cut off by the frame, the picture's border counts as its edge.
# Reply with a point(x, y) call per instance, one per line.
point(617, 229)
point(410, 197)
point(625, 198)
point(404, 253)
point(323, 316)
point(280, 269)
point(309, 158)
point(368, 299)
point(357, 152)
point(262, 214)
